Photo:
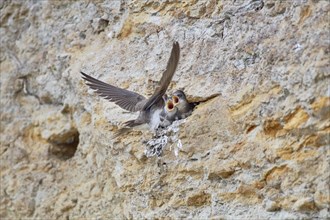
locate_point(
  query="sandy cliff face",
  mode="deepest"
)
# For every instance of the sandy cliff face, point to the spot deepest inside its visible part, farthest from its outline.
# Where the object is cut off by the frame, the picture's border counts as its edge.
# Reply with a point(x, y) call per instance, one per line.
point(260, 149)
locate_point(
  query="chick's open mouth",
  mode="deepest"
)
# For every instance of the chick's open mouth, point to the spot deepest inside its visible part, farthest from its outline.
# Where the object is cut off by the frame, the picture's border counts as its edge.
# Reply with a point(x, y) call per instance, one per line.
point(175, 99)
point(170, 105)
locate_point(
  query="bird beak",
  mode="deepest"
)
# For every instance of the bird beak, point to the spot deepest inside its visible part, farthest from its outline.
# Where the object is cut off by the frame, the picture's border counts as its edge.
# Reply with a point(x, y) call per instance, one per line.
point(169, 105)
point(165, 97)
point(175, 99)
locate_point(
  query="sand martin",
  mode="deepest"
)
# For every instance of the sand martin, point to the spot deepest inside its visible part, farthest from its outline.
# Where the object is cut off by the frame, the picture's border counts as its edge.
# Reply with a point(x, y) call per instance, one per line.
point(169, 114)
point(151, 108)
point(184, 107)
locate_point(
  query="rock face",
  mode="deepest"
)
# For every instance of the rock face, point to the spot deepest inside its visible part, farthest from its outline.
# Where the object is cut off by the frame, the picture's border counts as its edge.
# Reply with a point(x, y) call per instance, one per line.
point(258, 150)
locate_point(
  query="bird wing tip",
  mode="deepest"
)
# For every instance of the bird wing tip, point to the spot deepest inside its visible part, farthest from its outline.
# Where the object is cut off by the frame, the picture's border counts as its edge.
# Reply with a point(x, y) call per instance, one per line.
point(85, 76)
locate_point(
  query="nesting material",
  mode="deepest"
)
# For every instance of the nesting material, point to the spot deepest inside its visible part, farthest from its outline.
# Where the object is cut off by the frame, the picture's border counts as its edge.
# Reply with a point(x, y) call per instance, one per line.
point(163, 137)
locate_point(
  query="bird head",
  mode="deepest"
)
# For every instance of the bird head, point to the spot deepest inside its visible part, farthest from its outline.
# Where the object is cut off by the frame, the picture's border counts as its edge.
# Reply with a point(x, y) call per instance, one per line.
point(178, 97)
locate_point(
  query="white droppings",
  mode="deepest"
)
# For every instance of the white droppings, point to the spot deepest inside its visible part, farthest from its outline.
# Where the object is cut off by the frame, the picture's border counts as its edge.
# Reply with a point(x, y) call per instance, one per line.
point(162, 137)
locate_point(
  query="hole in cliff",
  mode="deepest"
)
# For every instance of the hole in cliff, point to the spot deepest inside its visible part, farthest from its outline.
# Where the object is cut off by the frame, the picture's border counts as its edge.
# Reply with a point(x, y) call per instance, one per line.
point(197, 100)
point(66, 147)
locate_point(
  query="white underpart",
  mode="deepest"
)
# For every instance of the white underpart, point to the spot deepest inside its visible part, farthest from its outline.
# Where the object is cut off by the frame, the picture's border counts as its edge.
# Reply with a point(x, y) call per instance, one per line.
point(181, 105)
point(155, 119)
point(171, 113)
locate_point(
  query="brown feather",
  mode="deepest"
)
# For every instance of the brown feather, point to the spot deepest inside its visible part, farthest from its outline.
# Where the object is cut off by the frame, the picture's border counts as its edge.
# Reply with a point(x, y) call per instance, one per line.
point(166, 77)
point(124, 98)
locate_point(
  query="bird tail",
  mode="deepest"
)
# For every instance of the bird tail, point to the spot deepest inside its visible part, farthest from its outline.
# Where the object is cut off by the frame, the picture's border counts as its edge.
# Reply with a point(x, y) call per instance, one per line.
point(128, 125)
point(131, 123)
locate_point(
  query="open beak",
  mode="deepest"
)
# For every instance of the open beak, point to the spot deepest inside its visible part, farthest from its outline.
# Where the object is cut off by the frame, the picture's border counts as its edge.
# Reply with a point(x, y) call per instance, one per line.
point(169, 105)
point(175, 99)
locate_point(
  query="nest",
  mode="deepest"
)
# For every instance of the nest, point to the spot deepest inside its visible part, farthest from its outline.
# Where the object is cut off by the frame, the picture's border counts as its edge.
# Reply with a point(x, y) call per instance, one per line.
point(163, 137)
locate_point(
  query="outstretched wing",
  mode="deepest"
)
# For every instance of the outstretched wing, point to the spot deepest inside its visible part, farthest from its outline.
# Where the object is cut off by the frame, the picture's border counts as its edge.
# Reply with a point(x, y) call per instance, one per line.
point(122, 97)
point(166, 78)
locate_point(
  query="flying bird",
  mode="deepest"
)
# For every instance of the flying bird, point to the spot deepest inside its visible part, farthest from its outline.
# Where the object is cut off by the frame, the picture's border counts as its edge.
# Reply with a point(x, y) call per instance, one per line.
point(150, 109)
